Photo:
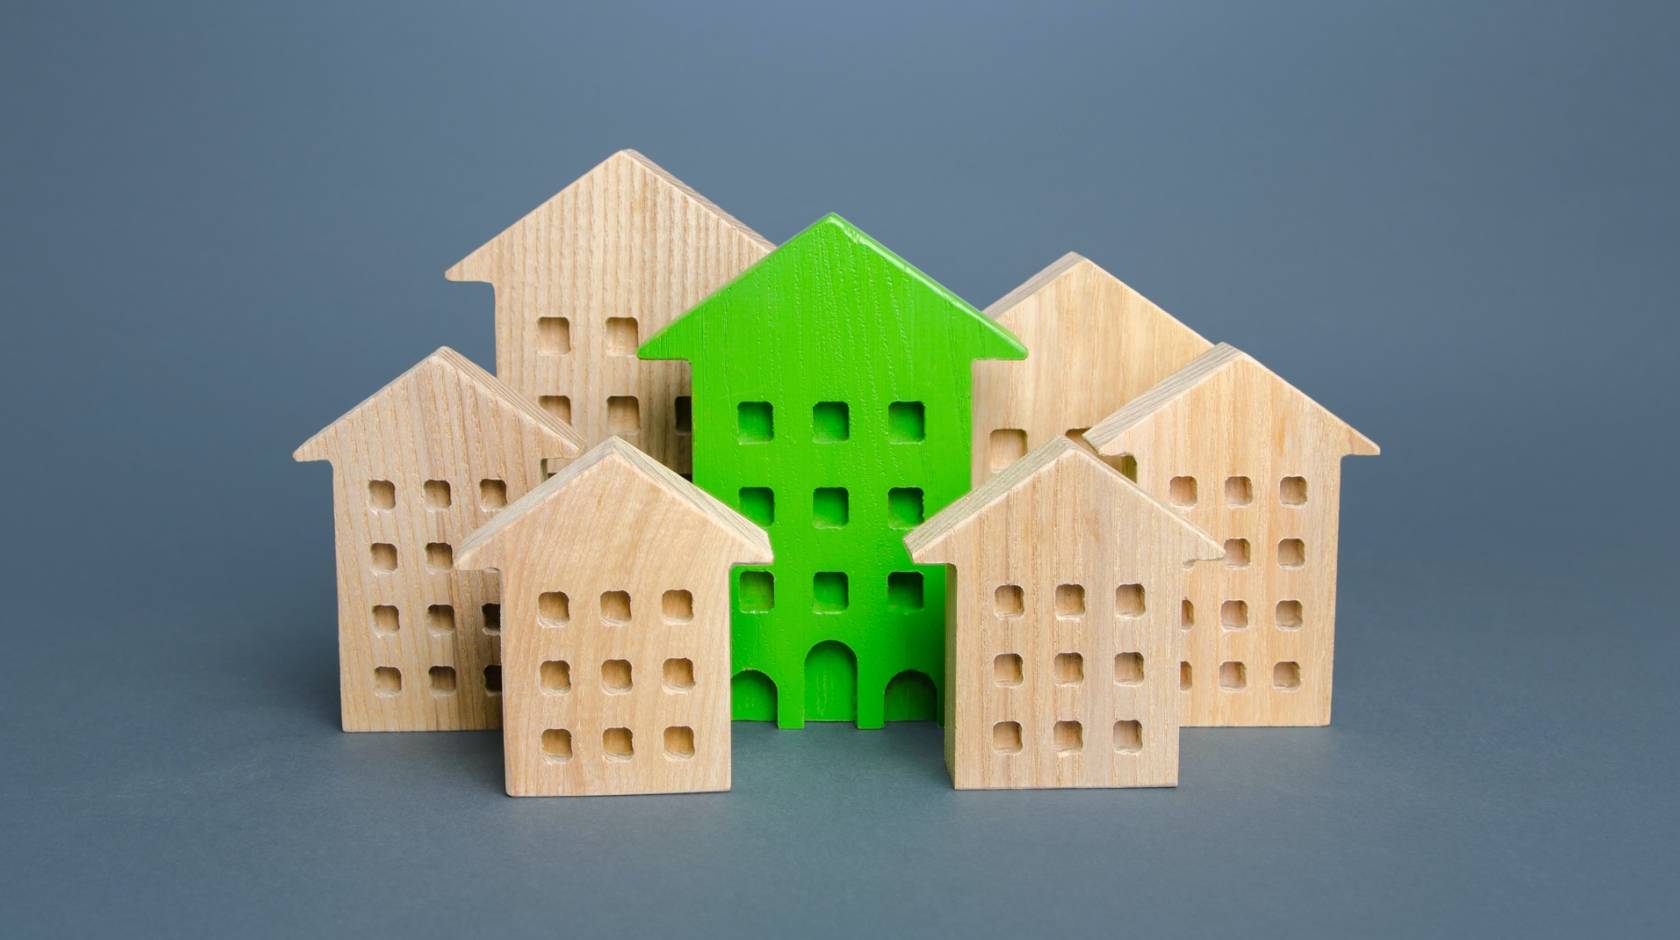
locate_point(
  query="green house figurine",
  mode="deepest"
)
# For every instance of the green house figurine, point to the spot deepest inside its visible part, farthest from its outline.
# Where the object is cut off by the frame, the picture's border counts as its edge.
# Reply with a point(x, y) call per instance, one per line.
point(832, 406)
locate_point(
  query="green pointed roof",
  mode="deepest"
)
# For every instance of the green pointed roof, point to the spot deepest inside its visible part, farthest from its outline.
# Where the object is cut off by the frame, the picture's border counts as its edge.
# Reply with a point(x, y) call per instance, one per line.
point(834, 266)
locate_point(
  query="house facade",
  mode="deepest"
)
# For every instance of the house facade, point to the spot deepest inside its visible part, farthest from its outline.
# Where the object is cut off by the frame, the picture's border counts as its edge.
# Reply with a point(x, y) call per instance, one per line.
point(1094, 344)
point(1256, 464)
point(1062, 640)
point(416, 468)
point(832, 407)
point(582, 279)
point(615, 643)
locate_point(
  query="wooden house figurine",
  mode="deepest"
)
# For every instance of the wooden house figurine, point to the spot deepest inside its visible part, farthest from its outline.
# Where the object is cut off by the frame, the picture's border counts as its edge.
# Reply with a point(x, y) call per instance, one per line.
point(615, 646)
point(582, 279)
point(1093, 345)
point(1257, 465)
point(832, 406)
point(1061, 634)
point(416, 468)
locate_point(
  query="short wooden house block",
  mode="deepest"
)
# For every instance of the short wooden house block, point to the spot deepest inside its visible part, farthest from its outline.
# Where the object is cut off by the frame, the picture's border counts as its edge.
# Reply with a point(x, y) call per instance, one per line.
point(585, 277)
point(1257, 465)
point(1093, 345)
point(418, 466)
point(1061, 636)
point(615, 648)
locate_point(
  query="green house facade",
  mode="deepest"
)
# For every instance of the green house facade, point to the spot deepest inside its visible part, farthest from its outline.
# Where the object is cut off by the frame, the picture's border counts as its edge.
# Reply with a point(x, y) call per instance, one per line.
point(831, 405)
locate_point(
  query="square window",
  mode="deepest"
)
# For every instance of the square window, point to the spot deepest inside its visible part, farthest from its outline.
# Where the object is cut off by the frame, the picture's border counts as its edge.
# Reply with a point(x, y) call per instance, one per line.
point(1182, 491)
point(904, 507)
point(382, 494)
point(492, 494)
point(622, 338)
point(1236, 553)
point(384, 556)
point(1006, 737)
point(554, 336)
point(554, 608)
point(1184, 677)
point(1286, 676)
point(1006, 669)
point(758, 504)
point(1187, 614)
point(492, 618)
point(1233, 615)
point(1233, 677)
point(831, 422)
point(443, 680)
point(677, 606)
point(439, 556)
point(556, 676)
point(830, 507)
point(1008, 600)
point(1292, 553)
point(1069, 668)
point(1128, 737)
point(440, 618)
point(679, 743)
point(1289, 615)
point(1070, 601)
point(1128, 600)
point(1126, 464)
point(615, 607)
point(1239, 491)
point(385, 619)
point(618, 743)
point(755, 422)
point(615, 676)
point(906, 422)
point(437, 494)
point(560, 406)
point(904, 590)
point(624, 414)
point(1006, 446)
point(1292, 491)
point(557, 745)
point(387, 680)
point(1128, 668)
point(679, 674)
point(682, 411)
point(493, 679)
point(757, 592)
point(829, 593)
point(1069, 737)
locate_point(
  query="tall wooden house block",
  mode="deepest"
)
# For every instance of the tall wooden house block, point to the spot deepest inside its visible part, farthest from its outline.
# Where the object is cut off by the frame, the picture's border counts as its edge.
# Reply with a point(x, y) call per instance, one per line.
point(1257, 465)
point(1093, 344)
point(589, 274)
point(615, 648)
point(1061, 637)
point(416, 468)
point(832, 406)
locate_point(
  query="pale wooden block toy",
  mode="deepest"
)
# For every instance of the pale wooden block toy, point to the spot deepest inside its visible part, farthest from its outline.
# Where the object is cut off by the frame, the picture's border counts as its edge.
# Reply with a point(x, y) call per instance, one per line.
point(615, 647)
point(1093, 345)
point(1061, 640)
point(416, 468)
point(583, 279)
point(1257, 465)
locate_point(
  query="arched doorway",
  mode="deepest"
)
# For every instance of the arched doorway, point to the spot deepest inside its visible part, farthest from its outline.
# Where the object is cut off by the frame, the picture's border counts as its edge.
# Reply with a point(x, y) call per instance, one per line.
point(911, 696)
point(752, 696)
point(831, 682)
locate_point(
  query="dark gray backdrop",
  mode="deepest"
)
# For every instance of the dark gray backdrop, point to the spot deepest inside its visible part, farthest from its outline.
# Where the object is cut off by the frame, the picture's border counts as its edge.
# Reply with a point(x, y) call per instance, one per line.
point(1452, 223)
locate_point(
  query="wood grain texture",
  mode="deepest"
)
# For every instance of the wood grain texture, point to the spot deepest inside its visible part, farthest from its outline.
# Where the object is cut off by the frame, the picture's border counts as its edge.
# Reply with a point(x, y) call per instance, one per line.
point(416, 467)
point(615, 655)
point(1257, 465)
point(1093, 344)
point(582, 279)
point(1062, 639)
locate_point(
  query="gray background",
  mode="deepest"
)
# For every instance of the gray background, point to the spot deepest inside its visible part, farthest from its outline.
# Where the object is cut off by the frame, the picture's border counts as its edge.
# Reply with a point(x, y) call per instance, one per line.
point(1451, 223)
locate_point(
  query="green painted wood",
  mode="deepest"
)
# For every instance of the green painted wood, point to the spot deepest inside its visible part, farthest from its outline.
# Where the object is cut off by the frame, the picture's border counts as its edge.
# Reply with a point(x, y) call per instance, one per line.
point(832, 401)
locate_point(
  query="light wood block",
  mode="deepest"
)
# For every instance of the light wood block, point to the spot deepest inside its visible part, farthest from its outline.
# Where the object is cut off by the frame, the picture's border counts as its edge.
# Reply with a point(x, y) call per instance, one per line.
point(1093, 345)
point(416, 468)
point(1257, 465)
point(587, 276)
point(616, 628)
point(1062, 639)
